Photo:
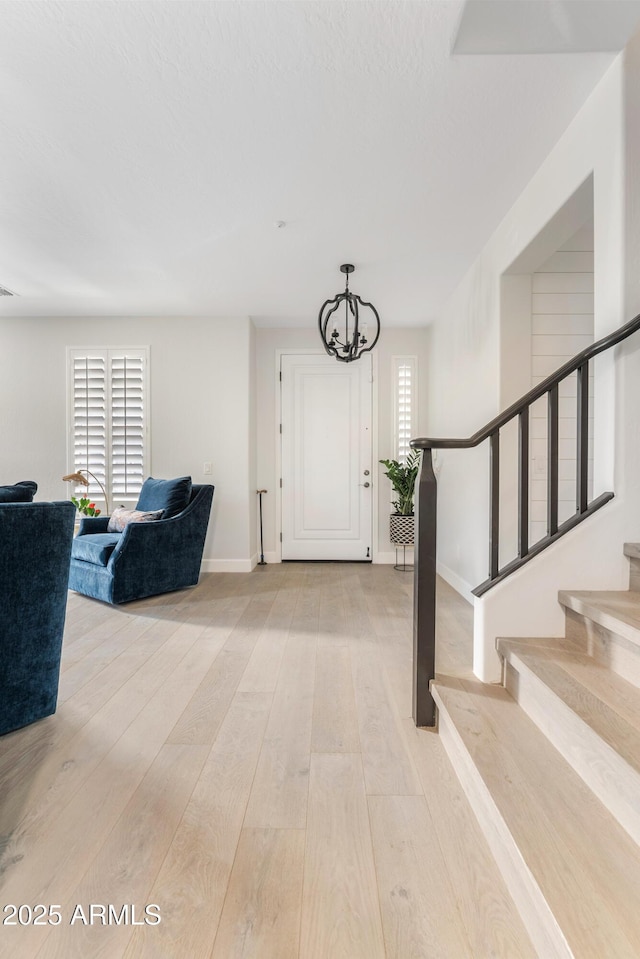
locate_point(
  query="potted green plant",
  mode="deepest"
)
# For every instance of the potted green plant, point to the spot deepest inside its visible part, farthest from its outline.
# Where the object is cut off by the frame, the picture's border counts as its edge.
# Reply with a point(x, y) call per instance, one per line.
point(403, 478)
point(85, 506)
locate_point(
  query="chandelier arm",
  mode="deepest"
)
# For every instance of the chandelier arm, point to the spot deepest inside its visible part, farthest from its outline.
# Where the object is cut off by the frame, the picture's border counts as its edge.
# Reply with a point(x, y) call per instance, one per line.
point(324, 323)
point(346, 316)
point(334, 309)
point(368, 349)
point(353, 345)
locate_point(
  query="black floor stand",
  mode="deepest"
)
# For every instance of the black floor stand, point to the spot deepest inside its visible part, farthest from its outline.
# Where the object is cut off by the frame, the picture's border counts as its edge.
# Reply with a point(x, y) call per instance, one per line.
point(403, 567)
point(262, 562)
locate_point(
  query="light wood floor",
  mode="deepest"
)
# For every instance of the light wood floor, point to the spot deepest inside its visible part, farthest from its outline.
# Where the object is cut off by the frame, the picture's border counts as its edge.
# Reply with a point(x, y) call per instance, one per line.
point(242, 756)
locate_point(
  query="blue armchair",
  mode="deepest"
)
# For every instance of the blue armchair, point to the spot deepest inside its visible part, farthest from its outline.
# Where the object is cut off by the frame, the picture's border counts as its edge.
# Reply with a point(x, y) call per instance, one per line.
point(35, 541)
point(145, 558)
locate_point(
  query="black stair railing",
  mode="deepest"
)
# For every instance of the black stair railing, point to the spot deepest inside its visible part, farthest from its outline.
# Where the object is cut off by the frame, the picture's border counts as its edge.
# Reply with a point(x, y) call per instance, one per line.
point(424, 612)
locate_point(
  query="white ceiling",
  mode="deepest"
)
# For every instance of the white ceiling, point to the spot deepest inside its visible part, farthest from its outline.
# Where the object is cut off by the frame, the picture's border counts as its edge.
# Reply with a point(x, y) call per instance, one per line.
point(148, 150)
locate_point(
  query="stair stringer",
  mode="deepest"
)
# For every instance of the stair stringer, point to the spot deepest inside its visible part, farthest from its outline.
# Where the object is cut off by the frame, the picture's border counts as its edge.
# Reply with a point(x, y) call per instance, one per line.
point(526, 603)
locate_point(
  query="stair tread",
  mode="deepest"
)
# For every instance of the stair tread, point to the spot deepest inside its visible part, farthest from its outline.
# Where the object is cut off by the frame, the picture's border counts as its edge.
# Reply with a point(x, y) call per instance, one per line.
point(602, 699)
point(632, 550)
point(586, 865)
point(618, 610)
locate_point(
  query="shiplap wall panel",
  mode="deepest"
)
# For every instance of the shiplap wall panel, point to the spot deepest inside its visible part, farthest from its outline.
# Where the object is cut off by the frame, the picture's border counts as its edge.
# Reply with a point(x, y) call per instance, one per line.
point(560, 323)
point(566, 428)
point(562, 302)
point(566, 451)
point(566, 489)
point(543, 366)
point(557, 345)
point(562, 283)
point(567, 404)
point(561, 326)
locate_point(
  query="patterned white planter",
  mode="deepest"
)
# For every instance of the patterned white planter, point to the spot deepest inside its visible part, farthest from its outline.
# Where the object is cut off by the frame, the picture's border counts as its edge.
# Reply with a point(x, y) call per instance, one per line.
point(401, 529)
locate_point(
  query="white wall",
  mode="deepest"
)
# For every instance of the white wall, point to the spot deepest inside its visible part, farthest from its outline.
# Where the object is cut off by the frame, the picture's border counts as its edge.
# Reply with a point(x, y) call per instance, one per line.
point(392, 342)
point(200, 385)
point(465, 374)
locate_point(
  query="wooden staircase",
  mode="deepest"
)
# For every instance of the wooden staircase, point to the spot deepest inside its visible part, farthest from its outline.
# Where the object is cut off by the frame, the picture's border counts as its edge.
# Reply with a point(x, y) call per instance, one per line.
point(551, 764)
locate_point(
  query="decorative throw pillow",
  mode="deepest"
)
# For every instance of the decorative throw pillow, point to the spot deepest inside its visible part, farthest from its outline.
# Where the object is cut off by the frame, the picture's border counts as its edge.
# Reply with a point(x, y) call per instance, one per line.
point(121, 517)
point(22, 492)
point(171, 496)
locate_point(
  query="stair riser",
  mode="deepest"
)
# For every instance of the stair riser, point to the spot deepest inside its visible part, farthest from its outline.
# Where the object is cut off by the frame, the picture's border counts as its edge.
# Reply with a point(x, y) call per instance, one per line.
point(612, 780)
point(545, 933)
point(607, 647)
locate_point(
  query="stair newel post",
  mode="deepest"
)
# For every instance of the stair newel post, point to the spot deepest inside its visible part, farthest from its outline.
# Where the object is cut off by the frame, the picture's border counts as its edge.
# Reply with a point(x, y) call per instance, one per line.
point(424, 594)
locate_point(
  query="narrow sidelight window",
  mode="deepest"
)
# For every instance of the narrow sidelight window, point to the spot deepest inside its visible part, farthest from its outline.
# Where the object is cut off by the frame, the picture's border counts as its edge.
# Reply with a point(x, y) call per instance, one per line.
point(404, 385)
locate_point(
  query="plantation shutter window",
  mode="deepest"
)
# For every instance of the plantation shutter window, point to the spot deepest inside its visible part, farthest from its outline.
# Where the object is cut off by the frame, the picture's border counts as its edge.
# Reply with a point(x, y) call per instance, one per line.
point(404, 380)
point(108, 419)
point(90, 417)
point(127, 425)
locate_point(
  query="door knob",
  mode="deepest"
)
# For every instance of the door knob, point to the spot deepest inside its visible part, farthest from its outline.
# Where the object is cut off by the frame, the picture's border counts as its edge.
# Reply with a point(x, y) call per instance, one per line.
point(366, 485)
point(366, 472)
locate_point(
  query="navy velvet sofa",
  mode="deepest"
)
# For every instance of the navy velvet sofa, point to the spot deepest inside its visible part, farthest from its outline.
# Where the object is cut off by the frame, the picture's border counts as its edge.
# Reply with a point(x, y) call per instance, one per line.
point(145, 559)
point(35, 546)
point(21, 492)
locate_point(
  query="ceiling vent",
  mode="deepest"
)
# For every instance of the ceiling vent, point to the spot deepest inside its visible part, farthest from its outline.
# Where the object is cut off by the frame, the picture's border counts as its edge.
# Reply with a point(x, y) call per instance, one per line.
point(5, 292)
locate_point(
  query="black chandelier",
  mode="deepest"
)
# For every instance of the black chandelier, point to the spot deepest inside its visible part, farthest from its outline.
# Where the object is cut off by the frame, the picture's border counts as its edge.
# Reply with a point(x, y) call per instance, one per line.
point(348, 339)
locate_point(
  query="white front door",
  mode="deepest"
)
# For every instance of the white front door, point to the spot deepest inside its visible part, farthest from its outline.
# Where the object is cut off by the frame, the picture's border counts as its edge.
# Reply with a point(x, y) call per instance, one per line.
point(326, 458)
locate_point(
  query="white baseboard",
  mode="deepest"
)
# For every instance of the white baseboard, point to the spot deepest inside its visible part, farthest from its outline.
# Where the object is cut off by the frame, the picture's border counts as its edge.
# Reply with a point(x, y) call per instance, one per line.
point(391, 558)
point(457, 582)
point(228, 565)
point(384, 559)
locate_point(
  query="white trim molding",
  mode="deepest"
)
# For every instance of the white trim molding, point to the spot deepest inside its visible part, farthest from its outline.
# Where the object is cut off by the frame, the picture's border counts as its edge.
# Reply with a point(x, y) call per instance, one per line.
point(229, 565)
